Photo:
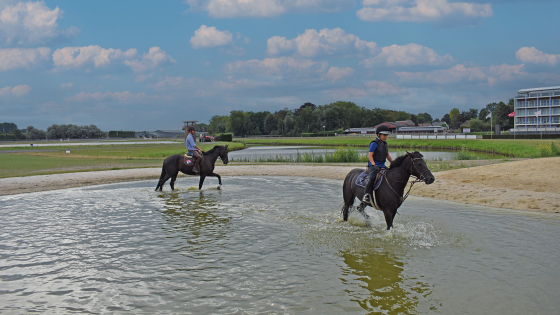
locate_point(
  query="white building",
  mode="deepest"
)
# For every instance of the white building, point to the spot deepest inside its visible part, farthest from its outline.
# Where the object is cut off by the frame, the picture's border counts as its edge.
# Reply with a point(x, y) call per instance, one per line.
point(537, 110)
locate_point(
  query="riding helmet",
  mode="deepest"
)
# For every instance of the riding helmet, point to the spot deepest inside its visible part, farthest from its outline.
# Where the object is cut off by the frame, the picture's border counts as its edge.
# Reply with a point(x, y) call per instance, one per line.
point(191, 128)
point(382, 129)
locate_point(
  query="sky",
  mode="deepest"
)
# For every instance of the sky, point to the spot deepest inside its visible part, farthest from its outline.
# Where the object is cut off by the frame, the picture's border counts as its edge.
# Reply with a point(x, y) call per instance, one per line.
point(149, 65)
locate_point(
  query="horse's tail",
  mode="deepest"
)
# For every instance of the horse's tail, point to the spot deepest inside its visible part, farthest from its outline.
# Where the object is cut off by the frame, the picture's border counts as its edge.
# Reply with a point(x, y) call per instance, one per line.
point(161, 177)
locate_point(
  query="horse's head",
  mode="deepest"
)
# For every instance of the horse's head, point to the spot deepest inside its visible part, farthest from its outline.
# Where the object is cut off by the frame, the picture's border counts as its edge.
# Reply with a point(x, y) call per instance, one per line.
point(419, 167)
point(224, 154)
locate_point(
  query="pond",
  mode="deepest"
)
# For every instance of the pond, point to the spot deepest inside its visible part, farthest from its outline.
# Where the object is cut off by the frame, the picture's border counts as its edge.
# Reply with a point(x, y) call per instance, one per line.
point(268, 245)
point(254, 153)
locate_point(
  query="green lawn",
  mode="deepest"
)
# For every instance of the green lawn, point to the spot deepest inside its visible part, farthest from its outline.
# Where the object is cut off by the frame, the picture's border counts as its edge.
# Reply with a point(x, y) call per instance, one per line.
point(511, 148)
point(88, 158)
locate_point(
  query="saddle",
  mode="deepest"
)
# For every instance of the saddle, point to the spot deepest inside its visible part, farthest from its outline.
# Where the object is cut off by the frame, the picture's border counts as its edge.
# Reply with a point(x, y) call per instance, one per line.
point(363, 179)
point(189, 160)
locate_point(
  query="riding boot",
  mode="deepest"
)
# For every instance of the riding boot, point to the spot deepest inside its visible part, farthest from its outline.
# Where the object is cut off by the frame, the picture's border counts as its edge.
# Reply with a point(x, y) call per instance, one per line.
point(196, 167)
point(368, 191)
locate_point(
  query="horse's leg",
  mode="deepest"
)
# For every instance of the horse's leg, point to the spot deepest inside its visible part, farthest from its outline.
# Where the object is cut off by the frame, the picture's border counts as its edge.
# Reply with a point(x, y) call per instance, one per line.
point(216, 175)
point(361, 208)
point(163, 180)
point(388, 218)
point(202, 177)
point(173, 179)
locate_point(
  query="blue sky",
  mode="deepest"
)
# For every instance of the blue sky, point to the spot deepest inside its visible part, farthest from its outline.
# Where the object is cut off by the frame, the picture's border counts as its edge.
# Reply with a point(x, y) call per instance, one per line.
point(148, 65)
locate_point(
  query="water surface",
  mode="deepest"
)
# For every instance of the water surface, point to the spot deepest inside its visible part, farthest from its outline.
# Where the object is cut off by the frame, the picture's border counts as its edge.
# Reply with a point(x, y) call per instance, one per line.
point(268, 245)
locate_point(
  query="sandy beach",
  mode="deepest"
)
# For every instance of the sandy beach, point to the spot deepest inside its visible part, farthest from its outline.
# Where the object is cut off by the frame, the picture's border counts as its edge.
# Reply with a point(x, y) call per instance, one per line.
point(530, 185)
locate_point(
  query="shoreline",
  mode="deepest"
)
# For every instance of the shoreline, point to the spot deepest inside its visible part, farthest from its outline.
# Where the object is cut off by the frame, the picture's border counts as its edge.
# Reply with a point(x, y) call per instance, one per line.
point(520, 185)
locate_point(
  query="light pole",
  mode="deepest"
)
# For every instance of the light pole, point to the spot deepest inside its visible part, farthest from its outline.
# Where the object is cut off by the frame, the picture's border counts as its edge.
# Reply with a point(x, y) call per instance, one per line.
point(324, 132)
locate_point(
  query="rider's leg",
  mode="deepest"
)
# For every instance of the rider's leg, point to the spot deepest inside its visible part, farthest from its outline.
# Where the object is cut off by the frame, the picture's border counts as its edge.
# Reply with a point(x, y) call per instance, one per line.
point(197, 160)
point(369, 186)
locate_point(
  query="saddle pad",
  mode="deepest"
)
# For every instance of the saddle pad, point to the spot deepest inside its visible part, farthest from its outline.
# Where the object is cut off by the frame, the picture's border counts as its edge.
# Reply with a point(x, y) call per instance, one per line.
point(188, 160)
point(364, 178)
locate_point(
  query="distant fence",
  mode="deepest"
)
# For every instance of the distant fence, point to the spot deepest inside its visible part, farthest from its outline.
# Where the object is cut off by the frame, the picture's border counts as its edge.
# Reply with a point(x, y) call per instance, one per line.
point(436, 136)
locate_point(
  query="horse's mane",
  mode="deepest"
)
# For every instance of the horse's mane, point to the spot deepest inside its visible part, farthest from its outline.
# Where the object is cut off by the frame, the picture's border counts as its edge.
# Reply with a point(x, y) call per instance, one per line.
point(398, 161)
point(211, 150)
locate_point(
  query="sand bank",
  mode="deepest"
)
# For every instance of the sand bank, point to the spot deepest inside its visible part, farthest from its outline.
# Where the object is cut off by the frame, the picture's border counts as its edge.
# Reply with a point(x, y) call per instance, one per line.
point(531, 185)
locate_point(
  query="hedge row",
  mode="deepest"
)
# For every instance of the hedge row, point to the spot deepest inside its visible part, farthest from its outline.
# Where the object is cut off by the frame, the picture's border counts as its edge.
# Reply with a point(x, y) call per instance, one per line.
point(7, 136)
point(534, 136)
point(228, 137)
point(319, 134)
point(122, 134)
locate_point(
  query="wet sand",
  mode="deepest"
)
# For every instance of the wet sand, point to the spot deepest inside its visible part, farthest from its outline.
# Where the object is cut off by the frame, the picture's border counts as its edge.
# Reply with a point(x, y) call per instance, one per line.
point(531, 185)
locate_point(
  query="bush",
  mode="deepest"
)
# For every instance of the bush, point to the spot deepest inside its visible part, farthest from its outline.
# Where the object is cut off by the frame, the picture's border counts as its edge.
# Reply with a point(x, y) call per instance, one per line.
point(533, 136)
point(122, 134)
point(228, 137)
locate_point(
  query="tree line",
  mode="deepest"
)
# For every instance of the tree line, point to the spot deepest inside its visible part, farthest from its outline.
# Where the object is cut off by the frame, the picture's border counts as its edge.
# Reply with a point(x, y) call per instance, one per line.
point(307, 119)
point(53, 132)
point(480, 120)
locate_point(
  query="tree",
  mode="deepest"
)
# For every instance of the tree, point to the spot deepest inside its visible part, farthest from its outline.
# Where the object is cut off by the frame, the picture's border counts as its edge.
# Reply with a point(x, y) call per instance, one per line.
point(453, 116)
point(446, 119)
point(401, 115)
point(476, 124)
point(270, 123)
point(7, 127)
point(236, 118)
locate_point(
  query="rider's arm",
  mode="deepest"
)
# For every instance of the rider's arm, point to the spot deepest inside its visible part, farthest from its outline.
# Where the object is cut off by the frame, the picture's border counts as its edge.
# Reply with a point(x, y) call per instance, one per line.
point(389, 157)
point(370, 158)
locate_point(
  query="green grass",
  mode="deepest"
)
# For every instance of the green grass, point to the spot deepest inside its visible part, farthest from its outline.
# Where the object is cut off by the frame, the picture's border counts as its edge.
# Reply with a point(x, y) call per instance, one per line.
point(505, 147)
point(340, 155)
point(87, 158)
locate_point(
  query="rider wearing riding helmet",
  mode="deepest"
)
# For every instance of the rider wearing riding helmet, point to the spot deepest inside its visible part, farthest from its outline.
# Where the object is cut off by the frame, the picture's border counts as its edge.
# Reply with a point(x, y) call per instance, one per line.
point(377, 155)
point(193, 150)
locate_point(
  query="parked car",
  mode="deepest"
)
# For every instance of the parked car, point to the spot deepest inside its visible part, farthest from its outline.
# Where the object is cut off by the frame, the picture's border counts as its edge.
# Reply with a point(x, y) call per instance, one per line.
point(205, 137)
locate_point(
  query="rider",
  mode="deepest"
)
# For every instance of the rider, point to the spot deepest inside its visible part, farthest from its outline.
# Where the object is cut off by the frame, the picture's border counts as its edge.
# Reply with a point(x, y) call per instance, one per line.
point(193, 150)
point(378, 153)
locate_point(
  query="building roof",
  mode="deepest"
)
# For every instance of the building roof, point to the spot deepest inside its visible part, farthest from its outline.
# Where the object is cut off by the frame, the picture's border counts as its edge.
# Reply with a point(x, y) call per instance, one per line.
point(430, 128)
point(405, 122)
point(539, 89)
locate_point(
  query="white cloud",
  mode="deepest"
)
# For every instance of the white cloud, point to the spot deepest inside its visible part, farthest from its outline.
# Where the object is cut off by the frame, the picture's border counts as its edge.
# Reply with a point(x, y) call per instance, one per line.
point(460, 73)
point(278, 67)
point(421, 10)
point(122, 97)
point(68, 85)
point(206, 37)
point(383, 88)
point(267, 8)
point(533, 55)
point(335, 74)
point(31, 22)
point(76, 57)
point(327, 41)
point(407, 55)
point(153, 59)
point(13, 58)
point(16, 90)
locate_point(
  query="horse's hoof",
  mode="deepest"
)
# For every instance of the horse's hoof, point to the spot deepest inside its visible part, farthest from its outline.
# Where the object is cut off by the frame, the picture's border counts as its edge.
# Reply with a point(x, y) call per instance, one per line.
point(219, 187)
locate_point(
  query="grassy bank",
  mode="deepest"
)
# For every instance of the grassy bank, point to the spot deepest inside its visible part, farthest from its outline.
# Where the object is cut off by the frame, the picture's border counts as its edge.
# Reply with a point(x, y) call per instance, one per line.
point(51, 160)
point(508, 148)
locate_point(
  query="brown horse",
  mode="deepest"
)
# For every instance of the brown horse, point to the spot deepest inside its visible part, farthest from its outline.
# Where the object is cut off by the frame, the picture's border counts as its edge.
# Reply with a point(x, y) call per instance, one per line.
point(389, 195)
point(175, 163)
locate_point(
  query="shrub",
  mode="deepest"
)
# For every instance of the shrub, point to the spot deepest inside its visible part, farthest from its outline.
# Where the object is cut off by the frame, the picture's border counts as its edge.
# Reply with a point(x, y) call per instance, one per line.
point(228, 137)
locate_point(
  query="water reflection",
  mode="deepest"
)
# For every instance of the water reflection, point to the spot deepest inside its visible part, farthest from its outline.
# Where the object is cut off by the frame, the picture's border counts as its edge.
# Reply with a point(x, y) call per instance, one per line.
point(381, 275)
point(196, 217)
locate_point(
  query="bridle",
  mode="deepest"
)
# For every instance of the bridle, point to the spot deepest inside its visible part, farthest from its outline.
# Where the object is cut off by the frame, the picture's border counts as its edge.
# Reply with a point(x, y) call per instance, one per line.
point(422, 178)
point(417, 179)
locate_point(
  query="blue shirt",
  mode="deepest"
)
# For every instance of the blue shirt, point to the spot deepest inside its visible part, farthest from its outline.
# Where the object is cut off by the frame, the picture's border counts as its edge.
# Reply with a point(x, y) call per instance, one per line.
point(372, 147)
point(191, 146)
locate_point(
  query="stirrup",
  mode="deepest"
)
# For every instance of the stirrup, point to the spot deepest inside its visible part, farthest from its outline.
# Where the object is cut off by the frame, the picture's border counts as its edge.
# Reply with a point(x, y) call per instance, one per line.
point(367, 198)
point(196, 171)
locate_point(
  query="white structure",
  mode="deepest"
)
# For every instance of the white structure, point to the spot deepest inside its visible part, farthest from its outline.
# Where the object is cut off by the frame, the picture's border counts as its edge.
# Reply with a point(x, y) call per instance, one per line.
point(537, 110)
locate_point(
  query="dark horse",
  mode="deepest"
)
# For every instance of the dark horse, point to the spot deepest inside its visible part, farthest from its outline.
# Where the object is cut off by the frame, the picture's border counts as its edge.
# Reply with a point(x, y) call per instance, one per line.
point(389, 195)
point(175, 163)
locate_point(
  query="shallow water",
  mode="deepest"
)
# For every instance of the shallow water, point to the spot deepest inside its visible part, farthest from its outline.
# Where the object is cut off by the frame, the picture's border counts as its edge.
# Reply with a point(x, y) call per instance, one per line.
point(256, 152)
point(268, 245)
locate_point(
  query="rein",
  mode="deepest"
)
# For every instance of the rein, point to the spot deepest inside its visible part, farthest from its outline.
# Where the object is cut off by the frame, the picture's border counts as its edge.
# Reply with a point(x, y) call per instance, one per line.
point(417, 180)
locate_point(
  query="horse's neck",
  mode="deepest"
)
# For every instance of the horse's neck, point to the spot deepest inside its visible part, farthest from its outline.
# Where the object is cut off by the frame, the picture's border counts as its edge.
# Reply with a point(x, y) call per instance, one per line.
point(398, 177)
point(212, 157)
